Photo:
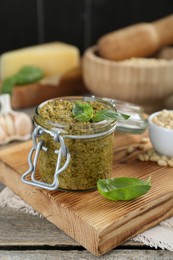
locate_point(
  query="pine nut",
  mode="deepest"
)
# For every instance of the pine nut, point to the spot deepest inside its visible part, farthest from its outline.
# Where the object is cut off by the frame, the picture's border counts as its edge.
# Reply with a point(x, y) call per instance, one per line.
point(144, 140)
point(164, 119)
point(130, 149)
point(162, 162)
point(153, 156)
point(141, 157)
point(170, 163)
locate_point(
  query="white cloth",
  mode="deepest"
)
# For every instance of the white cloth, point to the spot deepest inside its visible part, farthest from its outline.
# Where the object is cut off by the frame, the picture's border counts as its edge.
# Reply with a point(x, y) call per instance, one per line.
point(160, 236)
point(9, 199)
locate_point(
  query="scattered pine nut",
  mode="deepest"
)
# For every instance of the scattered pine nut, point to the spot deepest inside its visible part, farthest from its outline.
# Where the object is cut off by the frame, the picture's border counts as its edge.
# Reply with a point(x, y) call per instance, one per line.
point(164, 157)
point(130, 149)
point(146, 157)
point(145, 140)
point(170, 163)
point(141, 157)
point(141, 147)
point(150, 151)
point(162, 162)
point(153, 156)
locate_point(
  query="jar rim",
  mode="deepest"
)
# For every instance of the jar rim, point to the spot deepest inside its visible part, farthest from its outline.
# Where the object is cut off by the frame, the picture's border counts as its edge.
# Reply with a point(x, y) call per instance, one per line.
point(100, 126)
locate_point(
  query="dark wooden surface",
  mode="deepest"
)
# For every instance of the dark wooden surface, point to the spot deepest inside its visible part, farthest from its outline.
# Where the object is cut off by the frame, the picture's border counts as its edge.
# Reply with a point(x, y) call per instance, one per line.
point(79, 22)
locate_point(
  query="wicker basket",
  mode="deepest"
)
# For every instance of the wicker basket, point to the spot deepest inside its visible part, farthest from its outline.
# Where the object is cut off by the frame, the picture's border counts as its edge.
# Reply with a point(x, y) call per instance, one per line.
point(144, 81)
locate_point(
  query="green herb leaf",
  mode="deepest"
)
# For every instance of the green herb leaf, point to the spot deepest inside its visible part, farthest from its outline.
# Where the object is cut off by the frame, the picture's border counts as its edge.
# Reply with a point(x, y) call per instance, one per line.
point(26, 75)
point(123, 188)
point(109, 115)
point(7, 85)
point(82, 111)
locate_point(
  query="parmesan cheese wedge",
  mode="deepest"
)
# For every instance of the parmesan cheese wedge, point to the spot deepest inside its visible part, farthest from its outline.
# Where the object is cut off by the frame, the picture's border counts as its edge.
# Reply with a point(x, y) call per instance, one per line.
point(53, 58)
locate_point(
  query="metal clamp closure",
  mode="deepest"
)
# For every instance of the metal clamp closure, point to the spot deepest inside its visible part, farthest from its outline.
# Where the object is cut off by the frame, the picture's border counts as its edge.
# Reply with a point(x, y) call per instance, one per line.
point(37, 147)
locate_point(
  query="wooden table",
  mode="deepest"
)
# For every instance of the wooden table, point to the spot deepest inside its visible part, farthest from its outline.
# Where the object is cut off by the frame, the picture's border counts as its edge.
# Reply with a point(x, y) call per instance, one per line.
point(23, 236)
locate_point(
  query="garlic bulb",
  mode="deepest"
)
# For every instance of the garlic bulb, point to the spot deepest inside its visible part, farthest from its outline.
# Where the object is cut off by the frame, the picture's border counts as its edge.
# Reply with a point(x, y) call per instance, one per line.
point(13, 125)
point(9, 124)
point(2, 123)
point(22, 124)
point(3, 135)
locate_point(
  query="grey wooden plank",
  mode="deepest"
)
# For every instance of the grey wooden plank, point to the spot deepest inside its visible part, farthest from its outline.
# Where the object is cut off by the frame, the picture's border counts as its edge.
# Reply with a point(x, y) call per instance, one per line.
point(84, 255)
point(23, 229)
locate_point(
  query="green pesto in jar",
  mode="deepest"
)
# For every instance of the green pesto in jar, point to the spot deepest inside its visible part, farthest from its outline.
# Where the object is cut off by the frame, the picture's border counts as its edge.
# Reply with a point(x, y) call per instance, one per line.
point(91, 157)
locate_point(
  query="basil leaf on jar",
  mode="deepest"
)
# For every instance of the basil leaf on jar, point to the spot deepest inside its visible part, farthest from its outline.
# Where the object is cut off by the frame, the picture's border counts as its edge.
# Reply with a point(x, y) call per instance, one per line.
point(109, 115)
point(123, 188)
point(82, 111)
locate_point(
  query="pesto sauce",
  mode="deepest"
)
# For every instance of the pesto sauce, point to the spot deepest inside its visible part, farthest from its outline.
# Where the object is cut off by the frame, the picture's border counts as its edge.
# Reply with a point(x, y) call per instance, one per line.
point(91, 158)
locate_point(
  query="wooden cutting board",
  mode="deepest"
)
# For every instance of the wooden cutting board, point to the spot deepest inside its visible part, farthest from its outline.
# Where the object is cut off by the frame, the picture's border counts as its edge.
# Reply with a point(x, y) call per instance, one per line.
point(69, 84)
point(96, 223)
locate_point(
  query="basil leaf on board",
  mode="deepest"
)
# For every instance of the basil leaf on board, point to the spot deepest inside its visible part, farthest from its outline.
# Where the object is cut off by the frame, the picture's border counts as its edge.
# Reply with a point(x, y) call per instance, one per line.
point(26, 75)
point(7, 85)
point(109, 115)
point(123, 188)
point(82, 111)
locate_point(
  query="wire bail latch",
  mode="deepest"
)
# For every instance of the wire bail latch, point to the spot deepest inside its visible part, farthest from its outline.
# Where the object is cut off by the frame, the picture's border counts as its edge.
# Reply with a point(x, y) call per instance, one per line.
point(39, 145)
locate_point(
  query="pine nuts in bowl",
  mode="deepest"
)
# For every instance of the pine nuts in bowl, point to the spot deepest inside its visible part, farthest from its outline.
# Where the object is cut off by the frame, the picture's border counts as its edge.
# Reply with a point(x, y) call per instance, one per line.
point(160, 126)
point(143, 81)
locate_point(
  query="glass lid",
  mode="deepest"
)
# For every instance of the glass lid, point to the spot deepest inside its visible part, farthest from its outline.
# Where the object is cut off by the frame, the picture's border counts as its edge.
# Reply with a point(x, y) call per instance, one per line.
point(136, 124)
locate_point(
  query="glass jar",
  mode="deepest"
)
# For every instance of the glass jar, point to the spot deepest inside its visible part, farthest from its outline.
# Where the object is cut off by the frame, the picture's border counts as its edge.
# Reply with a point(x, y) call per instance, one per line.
point(70, 156)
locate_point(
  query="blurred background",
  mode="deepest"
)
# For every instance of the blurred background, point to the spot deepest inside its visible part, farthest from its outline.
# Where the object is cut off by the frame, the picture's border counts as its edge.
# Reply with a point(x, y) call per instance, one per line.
point(81, 23)
point(78, 22)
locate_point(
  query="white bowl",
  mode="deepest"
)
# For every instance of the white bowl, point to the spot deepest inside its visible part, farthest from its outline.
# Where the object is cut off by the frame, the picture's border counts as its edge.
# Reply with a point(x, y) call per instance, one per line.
point(160, 137)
